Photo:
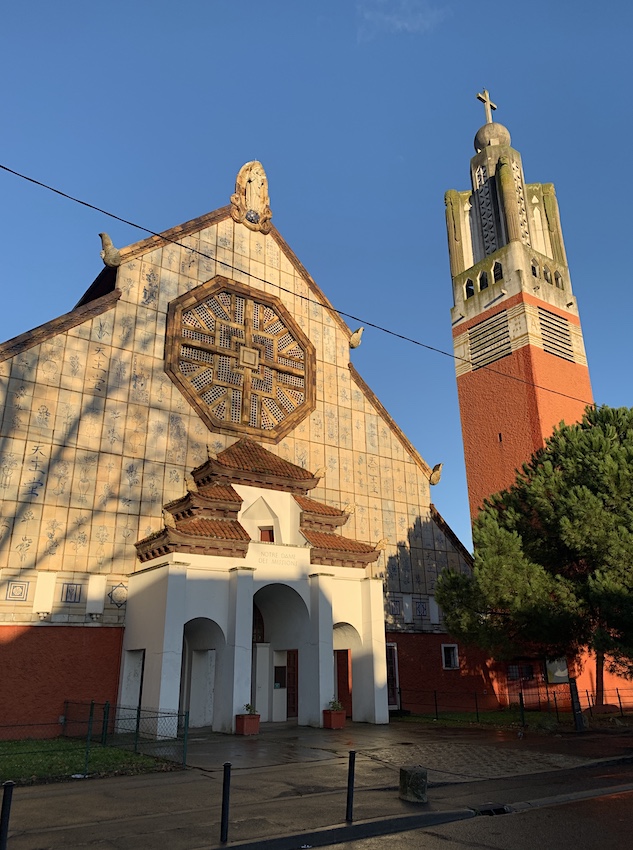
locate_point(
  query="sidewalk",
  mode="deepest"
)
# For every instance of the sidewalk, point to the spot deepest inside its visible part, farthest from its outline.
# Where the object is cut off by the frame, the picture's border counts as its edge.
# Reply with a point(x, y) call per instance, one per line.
point(291, 781)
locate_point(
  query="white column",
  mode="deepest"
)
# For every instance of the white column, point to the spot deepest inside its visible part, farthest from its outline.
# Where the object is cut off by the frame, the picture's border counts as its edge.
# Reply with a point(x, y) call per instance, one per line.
point(370, 703)
point(44, 594)
point(236, 672)
point(96, 596)
point(155, 619)
point(316, 672)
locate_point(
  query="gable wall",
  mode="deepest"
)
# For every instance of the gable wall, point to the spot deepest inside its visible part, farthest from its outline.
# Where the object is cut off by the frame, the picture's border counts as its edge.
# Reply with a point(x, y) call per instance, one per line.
point(96, 438)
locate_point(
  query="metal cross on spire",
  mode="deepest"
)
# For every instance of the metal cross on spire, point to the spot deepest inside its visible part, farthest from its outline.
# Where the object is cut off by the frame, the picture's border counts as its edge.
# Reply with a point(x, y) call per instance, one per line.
point(488, 104)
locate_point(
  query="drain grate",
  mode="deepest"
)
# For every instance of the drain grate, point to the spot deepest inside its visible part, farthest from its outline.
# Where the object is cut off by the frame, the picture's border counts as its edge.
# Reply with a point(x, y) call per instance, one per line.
point(490, 809)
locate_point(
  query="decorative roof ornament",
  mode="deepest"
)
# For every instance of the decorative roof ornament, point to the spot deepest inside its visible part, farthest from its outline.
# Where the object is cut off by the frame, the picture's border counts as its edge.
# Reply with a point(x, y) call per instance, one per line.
point(355, 339)
point(491, 133)
point(109, 254)
point(250, 202)
point(436, 474)
point(488, 105)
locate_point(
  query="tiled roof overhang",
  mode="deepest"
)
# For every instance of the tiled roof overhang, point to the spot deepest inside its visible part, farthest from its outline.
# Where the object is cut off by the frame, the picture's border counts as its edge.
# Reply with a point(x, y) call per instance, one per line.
point(246, 462)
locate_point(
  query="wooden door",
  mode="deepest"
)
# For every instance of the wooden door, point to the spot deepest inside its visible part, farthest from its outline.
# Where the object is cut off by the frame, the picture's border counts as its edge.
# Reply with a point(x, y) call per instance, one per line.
point(292, 682)
point(344, 679)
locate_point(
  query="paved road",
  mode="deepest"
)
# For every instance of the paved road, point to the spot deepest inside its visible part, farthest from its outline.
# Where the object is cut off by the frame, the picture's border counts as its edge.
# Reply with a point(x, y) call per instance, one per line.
point(291, 782)
point(586, 825)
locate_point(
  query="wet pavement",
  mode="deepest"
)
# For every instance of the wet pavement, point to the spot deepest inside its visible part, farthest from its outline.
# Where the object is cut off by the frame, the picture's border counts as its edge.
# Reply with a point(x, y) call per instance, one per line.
point(288, 786)
point(449, 755)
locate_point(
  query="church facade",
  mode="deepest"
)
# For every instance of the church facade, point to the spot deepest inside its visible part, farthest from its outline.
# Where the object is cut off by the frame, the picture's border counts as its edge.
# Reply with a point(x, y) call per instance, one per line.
point(203, 503)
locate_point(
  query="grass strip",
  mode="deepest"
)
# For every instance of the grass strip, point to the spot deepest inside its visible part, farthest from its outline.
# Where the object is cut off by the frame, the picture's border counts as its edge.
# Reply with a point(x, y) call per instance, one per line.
point(35, 761)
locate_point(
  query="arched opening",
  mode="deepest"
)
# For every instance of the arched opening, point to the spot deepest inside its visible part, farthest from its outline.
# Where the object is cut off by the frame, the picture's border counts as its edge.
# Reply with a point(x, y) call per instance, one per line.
point(281, 630)
point(259, 632)
point(469, 289)
point(202, 660)
point(547, 275)
point(347, 664)
point(483, 281)
point(535, 269)
point(558, 279)
point(497, 272)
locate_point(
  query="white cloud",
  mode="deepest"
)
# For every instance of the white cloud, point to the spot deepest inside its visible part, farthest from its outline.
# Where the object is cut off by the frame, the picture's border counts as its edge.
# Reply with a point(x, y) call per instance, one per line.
point(376, 17)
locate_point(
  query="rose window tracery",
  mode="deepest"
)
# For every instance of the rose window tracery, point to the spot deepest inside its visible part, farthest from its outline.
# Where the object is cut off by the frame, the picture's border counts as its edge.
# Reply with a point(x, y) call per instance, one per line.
point(240, 359)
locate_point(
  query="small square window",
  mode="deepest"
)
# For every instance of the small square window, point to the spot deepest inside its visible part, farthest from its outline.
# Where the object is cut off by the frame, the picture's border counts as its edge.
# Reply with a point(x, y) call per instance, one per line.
point(71, 593)
point(520, 672)
point(267, 535)
point(450, 657)
point(395, 607)
point(420, 609)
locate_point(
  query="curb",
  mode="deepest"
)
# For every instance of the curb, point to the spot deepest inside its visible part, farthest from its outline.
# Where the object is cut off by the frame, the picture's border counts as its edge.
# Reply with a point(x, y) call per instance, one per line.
point(349, 832)
point(575, 796)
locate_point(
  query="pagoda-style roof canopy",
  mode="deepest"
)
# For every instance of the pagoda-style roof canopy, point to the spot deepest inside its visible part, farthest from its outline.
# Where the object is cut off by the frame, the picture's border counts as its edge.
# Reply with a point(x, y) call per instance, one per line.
point(205, 521)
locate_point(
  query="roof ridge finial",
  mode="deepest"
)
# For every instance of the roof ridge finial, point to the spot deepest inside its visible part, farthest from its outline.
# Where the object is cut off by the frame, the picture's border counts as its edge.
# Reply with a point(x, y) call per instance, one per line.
point(250, 203)
point(488, 105)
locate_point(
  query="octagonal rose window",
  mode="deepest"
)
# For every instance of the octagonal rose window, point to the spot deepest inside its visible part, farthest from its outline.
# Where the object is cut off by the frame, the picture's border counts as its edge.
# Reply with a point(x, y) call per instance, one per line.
point(240, 359)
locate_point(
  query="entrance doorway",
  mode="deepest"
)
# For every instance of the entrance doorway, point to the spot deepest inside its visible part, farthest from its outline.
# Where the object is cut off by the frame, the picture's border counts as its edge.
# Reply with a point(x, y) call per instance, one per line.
point(393, 685)
point(292, 683)
point(203, 641)
point(343, 662)
point(281, 620)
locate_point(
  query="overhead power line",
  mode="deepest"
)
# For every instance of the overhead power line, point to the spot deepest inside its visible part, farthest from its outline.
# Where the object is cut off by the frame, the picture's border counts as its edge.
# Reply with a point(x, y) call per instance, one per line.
point(306, 298)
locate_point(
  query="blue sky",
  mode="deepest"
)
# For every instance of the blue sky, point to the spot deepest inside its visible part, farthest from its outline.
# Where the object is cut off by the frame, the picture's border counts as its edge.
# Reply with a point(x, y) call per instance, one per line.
point(363, 115)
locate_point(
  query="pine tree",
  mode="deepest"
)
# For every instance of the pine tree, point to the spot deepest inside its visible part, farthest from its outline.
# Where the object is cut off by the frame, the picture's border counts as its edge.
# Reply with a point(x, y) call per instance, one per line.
point(553, 570)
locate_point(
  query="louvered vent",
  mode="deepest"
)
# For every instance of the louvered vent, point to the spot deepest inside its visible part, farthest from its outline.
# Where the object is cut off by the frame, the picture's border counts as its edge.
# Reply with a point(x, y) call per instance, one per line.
point(555, 335)
point(489, 341)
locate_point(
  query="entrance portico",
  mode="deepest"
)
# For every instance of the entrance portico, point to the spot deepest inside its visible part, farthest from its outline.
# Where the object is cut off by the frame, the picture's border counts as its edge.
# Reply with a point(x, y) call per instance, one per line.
point(224, 620)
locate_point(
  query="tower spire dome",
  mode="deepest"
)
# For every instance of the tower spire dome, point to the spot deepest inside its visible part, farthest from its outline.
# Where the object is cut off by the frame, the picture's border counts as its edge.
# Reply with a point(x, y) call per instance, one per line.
point(491, 133)
point(488, 105)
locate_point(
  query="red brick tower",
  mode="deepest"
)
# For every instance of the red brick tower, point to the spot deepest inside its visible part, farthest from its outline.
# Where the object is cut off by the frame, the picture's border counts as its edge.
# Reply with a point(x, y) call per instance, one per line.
point(521, 366)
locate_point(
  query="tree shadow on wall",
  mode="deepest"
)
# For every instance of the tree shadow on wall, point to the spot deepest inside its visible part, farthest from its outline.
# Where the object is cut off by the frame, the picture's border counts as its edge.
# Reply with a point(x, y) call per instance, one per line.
point(430, 547)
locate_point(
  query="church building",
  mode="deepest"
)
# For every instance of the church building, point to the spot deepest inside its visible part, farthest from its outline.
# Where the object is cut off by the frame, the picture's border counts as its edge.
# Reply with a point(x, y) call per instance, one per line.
point(203, 503)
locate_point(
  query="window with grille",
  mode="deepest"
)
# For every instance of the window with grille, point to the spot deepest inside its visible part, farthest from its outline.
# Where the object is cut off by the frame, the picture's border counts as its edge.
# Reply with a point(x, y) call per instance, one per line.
point(520, 672)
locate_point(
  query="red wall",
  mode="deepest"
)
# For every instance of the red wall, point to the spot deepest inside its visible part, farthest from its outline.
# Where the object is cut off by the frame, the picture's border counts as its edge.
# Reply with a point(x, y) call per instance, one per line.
point(517, 407)
point(423, 680)
point(41, 666)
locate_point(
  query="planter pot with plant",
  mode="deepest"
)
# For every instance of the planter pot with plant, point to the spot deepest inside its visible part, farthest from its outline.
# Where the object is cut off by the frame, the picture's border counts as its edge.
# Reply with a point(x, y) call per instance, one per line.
point(334, 715)
point(247, 723)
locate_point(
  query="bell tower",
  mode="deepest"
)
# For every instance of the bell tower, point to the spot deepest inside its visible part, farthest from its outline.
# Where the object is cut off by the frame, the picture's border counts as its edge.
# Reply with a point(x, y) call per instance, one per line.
point(521, 365)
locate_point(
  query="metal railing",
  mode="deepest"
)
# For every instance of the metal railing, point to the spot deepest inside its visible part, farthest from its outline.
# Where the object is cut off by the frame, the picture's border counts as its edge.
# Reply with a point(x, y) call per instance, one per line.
point(162, 734)
point(515, 699)
point(78, 744)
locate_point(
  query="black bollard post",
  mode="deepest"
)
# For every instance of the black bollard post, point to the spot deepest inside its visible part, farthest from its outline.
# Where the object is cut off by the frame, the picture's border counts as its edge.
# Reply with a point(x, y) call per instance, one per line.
point(7, 794)
point(349, 814)
point(226, 791)
point(579, 720)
